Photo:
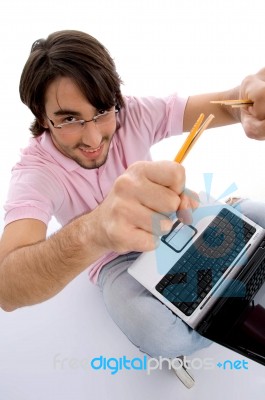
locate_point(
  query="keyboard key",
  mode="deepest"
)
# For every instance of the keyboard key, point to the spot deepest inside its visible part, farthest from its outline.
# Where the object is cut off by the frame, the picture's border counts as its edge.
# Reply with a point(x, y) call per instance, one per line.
point(191, 279)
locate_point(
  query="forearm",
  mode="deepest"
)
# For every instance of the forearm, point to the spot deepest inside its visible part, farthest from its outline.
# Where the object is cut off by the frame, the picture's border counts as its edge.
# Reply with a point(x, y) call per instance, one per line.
point(35, 273)
point(146, 192)
point(224, 115)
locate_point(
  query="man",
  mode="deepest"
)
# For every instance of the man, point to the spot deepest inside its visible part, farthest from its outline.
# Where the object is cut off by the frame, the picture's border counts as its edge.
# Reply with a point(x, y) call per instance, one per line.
point(88, 164)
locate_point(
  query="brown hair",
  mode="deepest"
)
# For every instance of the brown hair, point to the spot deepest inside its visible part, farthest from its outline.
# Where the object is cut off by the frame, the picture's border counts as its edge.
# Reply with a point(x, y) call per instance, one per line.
point(72, 54)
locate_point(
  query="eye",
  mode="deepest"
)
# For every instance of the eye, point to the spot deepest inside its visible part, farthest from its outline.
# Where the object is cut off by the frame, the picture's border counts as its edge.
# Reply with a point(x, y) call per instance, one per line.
point(102, 111)
point(68, 119)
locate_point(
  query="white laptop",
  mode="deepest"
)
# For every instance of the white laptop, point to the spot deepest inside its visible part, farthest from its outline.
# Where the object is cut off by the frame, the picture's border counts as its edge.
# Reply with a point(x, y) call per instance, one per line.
point(195, 265)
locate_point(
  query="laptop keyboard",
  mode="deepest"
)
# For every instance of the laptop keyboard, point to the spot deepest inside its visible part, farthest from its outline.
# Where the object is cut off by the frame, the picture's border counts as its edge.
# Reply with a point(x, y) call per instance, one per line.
point(193, 276)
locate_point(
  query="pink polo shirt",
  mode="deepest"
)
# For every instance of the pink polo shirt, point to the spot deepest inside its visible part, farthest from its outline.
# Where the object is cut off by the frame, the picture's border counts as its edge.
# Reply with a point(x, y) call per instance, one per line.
point(45, 183)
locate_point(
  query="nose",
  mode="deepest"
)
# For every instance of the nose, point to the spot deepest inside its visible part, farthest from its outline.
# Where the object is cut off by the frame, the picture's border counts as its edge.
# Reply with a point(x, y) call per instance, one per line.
point(91, 136)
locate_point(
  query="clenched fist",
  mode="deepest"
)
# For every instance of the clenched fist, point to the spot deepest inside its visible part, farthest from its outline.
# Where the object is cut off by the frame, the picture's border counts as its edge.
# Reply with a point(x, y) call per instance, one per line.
point(148, 192)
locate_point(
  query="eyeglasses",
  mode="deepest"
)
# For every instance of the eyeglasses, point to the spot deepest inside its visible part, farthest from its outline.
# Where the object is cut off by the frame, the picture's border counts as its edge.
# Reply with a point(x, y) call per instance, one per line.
point(78, 124)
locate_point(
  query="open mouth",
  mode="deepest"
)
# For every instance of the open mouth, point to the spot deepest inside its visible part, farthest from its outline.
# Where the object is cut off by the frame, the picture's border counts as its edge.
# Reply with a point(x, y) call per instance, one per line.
point(91, 153)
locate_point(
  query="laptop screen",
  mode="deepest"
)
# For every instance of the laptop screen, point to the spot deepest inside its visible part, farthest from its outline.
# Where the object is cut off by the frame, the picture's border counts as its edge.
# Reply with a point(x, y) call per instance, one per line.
point(239, 322)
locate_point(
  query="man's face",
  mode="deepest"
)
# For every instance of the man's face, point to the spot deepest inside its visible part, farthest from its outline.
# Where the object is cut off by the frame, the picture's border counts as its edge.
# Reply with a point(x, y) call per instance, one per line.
point(89, 146)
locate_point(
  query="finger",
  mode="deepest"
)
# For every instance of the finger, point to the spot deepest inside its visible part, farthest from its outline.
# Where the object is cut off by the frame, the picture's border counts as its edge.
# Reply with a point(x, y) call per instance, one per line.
point(159, 198)
point(189, 200)
point(165, 173)
point(257, 110)
point(253, 128)
point(140, 217)
point(253, 87)
point(193, 198)
point(144, 241)
point(140, 240)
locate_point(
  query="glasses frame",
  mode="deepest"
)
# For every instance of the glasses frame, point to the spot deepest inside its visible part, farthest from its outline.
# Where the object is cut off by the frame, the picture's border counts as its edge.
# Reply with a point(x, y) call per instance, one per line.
point(82, 122)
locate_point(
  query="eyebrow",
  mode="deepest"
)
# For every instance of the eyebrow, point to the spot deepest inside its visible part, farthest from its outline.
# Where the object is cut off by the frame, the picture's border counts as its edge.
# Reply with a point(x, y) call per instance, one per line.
point(66, 112)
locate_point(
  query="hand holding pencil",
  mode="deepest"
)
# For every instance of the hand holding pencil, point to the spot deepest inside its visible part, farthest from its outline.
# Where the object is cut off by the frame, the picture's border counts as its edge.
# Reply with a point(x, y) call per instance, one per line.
point(234, 103)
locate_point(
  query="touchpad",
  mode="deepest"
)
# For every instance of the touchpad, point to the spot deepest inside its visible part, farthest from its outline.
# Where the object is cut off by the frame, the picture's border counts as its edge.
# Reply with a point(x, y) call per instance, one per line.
point(179, 236)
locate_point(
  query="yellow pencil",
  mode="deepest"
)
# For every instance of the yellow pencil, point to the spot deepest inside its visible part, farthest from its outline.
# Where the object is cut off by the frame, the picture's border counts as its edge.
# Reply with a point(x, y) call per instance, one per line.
point(234, 103)
point(193, 136)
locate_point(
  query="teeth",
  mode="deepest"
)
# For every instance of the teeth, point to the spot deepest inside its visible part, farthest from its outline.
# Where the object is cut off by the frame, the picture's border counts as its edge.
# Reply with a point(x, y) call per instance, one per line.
point(90, 151)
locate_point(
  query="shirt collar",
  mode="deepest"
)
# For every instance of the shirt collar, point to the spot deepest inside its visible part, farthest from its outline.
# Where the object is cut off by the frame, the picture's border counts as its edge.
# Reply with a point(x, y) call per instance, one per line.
point(47, 144)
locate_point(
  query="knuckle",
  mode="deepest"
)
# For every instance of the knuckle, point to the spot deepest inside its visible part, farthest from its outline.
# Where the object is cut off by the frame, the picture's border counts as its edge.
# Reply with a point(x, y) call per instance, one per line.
point(179, 177)
point(173, 202)
point(123, 184)
point(251, 131)
point(137, 167)
point(248, 79)
point(132, 179)
point(180, 172)
point(146, 242)
point(184, 202)
point(251, 135)
point(191, 196)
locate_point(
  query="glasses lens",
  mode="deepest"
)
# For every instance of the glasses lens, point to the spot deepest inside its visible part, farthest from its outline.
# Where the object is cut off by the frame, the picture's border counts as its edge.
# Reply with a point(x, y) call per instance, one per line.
point(105, 118)
point(77, 126)
point(72, 127)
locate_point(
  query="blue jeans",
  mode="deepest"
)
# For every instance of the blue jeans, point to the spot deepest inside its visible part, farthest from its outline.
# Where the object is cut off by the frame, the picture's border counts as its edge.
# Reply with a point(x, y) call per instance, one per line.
point(149, 324)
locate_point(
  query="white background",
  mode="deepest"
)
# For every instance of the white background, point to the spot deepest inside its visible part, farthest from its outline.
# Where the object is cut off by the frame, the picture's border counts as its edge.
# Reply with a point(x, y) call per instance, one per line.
point(159, 47)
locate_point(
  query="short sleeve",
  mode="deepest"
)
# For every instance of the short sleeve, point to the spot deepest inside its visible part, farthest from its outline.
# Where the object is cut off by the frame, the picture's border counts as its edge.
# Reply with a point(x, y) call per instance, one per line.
point(32, 194)
point(151, 119)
